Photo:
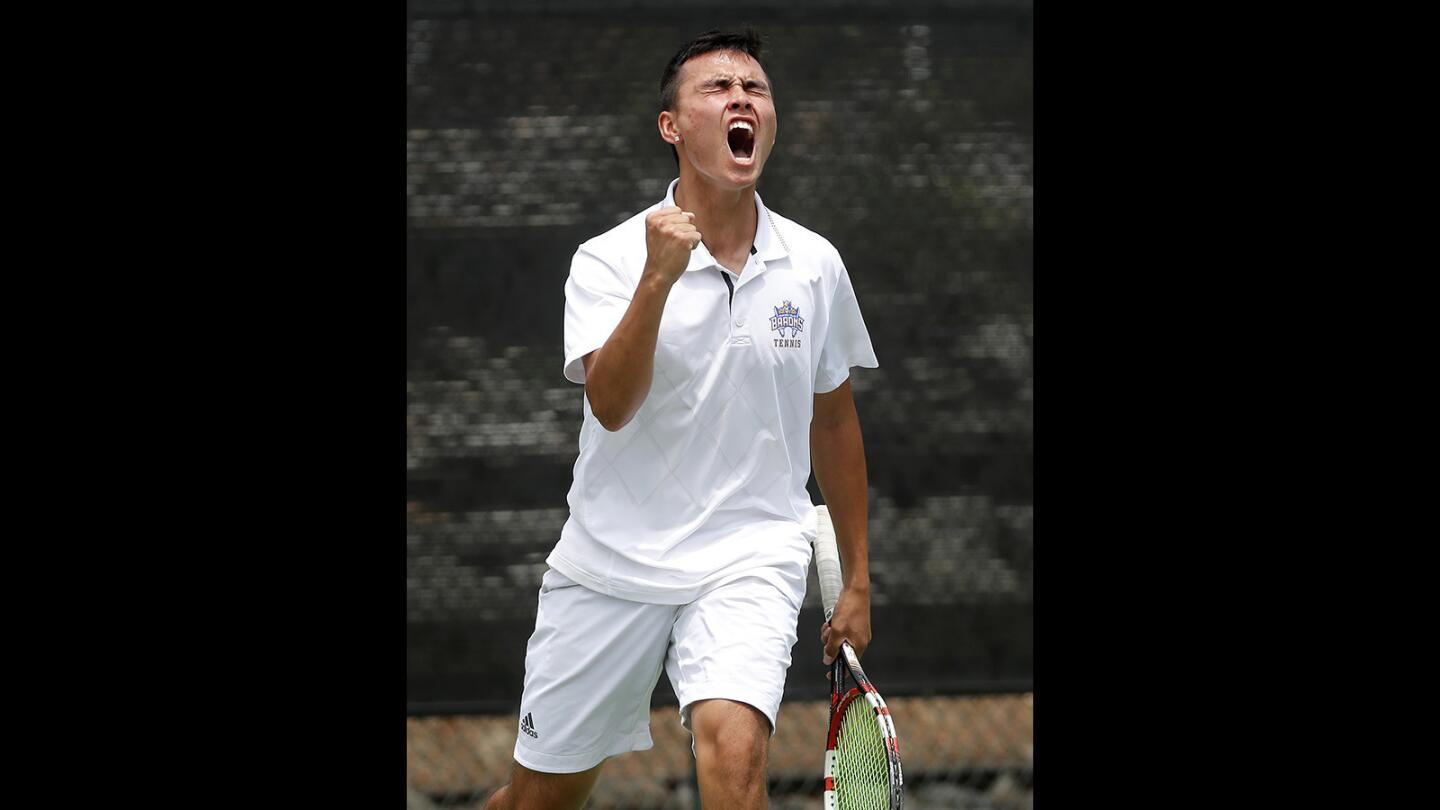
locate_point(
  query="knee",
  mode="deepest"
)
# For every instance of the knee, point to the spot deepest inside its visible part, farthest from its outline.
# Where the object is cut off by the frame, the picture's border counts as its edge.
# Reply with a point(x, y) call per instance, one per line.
point(733, 737)
point(534, 790)
point(499, 800)
point(733, 752)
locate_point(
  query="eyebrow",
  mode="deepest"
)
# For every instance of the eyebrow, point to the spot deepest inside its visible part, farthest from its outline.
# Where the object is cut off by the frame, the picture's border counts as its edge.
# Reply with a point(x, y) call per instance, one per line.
point(728, 78)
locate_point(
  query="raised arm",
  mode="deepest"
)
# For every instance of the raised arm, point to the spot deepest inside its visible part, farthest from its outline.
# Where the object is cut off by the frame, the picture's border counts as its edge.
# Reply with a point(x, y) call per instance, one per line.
point(618, 374)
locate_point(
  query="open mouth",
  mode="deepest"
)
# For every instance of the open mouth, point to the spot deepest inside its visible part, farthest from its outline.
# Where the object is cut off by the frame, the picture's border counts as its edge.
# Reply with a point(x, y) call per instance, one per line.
point(741, 139)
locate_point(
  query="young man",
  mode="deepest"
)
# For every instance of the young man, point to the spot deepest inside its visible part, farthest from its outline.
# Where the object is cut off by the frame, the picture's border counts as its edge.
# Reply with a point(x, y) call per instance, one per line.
point(714, 339)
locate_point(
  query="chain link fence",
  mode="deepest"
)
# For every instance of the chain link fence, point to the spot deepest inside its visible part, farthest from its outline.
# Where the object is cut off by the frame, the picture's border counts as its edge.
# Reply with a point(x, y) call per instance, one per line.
point(957, 752)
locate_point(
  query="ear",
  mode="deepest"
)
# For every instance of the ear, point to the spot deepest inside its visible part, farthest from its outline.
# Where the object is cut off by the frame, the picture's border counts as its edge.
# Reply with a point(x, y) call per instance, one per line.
point(666, 123)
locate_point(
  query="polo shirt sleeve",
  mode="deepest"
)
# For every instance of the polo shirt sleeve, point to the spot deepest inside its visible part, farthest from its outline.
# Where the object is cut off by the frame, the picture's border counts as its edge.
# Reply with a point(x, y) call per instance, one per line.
point(847, 342)
point(596, 297)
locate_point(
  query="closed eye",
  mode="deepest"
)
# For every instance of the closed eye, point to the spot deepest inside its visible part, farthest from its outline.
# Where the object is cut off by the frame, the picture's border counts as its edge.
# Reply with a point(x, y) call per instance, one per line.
point(750, 85)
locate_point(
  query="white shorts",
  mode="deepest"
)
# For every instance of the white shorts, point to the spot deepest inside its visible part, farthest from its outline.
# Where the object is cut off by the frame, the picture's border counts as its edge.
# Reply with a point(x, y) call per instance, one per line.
point(594, 660)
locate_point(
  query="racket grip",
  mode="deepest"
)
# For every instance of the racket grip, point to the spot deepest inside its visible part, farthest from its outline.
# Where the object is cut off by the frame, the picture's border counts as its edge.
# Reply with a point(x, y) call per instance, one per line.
point(827, 560)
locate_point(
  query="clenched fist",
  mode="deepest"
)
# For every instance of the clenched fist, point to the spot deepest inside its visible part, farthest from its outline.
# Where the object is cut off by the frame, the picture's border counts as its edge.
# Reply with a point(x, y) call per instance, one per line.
point(670, 235)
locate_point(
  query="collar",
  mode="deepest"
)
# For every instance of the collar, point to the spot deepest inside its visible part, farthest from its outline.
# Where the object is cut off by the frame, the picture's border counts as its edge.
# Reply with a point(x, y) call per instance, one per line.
point(768, 245)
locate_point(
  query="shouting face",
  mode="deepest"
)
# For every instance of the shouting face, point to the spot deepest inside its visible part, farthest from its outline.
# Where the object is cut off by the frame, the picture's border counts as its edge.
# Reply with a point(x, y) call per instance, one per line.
point(723, 124)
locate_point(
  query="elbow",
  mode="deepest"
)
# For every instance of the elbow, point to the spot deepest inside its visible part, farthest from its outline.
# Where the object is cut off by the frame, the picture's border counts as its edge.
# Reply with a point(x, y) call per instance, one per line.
point(609, 417)
point(612, 423)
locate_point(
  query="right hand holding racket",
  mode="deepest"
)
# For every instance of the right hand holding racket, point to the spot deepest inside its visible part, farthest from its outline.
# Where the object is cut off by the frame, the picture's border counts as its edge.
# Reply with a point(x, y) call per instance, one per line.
point(670, 235)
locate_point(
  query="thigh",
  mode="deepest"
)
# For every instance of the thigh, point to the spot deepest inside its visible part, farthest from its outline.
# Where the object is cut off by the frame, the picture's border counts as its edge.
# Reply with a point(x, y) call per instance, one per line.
point(590, 668)
point(734, 643)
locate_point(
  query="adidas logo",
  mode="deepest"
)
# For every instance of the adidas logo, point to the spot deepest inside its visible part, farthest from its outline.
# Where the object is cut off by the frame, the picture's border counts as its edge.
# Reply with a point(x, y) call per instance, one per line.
point(527, 725)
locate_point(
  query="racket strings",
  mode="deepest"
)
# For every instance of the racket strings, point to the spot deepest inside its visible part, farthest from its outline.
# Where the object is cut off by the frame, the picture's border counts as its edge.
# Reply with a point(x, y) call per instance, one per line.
point(862, 765)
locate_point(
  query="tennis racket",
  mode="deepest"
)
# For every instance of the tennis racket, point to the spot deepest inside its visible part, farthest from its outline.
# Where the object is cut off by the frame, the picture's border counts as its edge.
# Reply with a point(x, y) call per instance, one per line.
point(862, 753)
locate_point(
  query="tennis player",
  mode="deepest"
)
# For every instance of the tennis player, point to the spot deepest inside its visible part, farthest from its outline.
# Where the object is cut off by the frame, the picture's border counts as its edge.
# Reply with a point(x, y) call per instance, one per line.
point(715, 339)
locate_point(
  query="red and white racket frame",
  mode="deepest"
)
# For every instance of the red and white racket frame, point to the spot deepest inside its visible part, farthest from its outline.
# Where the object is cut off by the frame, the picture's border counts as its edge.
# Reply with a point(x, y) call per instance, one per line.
point(827, 569)
point(838, 704)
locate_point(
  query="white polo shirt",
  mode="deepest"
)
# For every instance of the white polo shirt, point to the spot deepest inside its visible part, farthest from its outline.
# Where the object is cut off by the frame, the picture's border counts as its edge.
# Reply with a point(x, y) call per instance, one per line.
point(706, 484)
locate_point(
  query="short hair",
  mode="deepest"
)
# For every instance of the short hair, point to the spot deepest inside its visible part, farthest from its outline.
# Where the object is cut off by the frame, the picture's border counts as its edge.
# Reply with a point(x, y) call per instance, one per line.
point(713, 40)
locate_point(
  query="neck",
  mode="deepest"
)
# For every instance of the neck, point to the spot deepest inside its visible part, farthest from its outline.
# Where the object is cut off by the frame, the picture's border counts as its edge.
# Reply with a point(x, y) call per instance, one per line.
point(726, 219)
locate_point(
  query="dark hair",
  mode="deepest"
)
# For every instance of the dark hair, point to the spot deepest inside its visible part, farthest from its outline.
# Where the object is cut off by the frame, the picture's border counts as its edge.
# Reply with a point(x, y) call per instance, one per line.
point(712, 40)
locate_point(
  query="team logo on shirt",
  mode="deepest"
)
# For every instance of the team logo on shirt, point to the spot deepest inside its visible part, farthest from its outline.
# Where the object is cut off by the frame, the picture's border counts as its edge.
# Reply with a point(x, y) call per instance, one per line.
point(787, 316)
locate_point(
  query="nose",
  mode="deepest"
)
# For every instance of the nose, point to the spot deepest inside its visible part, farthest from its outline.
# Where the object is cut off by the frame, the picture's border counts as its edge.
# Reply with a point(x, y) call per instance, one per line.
point(739, 99)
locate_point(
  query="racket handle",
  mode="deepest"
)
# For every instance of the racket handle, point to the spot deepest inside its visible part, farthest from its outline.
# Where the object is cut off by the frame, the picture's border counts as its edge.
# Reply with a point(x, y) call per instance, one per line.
point(827, 560)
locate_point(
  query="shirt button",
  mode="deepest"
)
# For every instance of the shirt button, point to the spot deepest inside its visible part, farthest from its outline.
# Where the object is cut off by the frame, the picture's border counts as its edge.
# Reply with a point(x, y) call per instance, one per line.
point(739, 321)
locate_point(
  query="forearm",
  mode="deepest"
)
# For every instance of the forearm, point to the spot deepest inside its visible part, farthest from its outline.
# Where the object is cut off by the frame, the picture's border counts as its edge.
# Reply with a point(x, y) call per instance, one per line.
point(618, 375)
point(837, 454)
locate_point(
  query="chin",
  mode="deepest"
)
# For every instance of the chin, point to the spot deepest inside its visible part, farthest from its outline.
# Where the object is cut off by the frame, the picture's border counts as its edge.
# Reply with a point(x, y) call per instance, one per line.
point(744, 175)
point(730, 174)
